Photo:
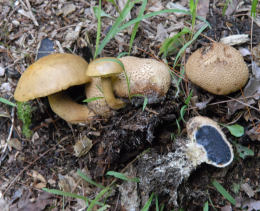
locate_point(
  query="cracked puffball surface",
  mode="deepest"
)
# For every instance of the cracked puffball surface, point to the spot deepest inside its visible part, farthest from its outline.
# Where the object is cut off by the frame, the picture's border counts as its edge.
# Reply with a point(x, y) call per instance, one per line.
point(52, 74)
point(218, 68)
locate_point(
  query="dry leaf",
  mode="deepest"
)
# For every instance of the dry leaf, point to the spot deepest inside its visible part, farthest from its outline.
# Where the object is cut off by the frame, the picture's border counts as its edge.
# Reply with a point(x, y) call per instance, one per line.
point(15, 143)
point(248, 190)
point(82, 146)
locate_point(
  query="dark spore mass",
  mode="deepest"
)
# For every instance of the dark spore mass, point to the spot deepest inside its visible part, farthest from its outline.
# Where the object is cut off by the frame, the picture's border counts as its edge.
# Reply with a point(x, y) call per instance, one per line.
point(217, 149)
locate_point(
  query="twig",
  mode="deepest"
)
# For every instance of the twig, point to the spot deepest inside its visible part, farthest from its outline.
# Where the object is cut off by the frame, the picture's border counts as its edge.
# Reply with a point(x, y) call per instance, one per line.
point(31, 14)
point(9, 136)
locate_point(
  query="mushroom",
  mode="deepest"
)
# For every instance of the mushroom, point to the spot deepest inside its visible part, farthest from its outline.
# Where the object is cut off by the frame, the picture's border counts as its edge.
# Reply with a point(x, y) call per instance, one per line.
point(106, 68)
point(206, 143)
point(50, 75)
point(99, 106)
point(217, 68)
point(147, 77)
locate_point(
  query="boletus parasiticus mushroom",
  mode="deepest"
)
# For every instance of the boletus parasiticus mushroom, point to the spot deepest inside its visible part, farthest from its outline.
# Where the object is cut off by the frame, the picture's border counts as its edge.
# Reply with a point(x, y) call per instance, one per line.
point(147, 77)
point(217, 68)
point(106, 68)
point(49, 76)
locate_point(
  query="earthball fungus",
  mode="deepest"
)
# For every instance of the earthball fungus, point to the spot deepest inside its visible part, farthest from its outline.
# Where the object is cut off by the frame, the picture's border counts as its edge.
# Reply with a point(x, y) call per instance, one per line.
point(147, 77)
point(49, 76)
point(208, 143)
point(217, 68)
point(106, 68)
point(205, 143)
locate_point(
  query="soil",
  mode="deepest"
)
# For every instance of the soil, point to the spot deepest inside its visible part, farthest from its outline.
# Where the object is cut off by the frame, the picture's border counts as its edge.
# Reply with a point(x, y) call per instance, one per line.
point(119, 142)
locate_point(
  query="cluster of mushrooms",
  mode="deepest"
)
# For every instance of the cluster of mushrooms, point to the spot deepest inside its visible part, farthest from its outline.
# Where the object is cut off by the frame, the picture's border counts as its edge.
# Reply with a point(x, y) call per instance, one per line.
point(52, 74)
point(217, 68)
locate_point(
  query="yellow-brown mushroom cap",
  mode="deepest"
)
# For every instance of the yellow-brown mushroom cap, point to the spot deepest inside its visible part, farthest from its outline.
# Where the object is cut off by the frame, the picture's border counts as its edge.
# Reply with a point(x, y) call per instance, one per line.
point(147, 77)
point(104, 67)
point(51, 74)
point(218, 68)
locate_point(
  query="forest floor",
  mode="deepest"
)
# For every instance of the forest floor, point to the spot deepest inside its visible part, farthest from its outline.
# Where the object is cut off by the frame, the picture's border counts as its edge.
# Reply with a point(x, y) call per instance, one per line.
point(47, 159)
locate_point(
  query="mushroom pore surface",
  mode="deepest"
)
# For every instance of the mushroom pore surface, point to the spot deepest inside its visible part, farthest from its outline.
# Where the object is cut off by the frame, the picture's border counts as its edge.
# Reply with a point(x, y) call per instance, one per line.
point(217, 68)
point(146, 76)
point(51, 74)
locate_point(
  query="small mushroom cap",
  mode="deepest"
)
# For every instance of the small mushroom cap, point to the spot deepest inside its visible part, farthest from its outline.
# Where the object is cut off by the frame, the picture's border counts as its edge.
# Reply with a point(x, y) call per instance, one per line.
point(51, 74)
point(99, 106)
point(146, 76)
point(208, 136)
point(217, 68)
point(69, 110)
point(104, 67)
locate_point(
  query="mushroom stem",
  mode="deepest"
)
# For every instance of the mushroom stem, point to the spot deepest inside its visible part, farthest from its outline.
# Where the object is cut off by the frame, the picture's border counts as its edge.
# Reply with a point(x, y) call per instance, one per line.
point(69, 110)
point(112, 102)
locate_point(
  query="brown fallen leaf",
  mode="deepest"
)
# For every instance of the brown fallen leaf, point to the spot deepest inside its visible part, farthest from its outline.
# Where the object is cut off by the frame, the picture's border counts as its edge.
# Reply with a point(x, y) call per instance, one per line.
point(26, 204)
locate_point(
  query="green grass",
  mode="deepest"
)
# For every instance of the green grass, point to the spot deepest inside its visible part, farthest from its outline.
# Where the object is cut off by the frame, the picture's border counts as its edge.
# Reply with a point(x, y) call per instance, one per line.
point(253, 8)
point(7, 102)
point(227, 2)
point(141, 12)
point(224, 192)
point(104, 192)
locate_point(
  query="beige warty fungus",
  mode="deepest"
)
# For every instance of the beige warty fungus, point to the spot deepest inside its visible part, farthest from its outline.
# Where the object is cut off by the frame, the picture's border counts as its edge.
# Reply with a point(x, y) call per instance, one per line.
point(48, 77)
point(106, 68)
point(147, 77)
point(217, 68)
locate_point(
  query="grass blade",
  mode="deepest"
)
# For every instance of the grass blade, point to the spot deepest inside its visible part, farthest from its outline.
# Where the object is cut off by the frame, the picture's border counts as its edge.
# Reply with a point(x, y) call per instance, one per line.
point(141, 12)
point(121, 176)
point(115, 28)
point(88, 100)
point(113, 31)
point(62, 193)
point(148, 203)
point(98, 27)
point(7, 102)
point(253, 8)
point(98, 196)
point(206, 206)
point(90, 181)
point(223, 192)
point(151, 14)
point(189, 43)
point(145, 103)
